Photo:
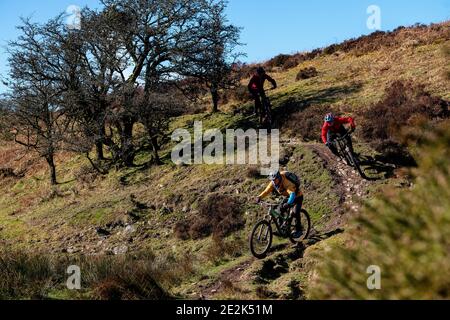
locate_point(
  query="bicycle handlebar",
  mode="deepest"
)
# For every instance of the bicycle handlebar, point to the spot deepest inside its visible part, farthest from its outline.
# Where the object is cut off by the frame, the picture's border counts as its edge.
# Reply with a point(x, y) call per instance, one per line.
point(268, 204)
point(348, 134)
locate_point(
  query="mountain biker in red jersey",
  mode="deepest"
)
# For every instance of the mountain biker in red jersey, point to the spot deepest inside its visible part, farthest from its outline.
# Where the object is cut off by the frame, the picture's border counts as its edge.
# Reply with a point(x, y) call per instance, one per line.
point(334, 127)
point(256, 88)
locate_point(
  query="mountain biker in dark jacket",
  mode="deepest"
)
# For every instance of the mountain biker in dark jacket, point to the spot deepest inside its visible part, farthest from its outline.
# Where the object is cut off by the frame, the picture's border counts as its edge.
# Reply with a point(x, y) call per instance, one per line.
point(280, 182)
point(333, 127)
point(256, 88)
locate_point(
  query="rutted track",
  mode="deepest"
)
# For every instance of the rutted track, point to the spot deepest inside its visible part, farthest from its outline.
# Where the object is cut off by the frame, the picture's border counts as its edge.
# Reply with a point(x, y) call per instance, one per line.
point(349, 185)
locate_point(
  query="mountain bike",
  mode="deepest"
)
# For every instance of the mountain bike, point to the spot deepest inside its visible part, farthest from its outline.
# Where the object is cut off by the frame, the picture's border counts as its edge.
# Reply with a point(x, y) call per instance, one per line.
point(346, 153)
point(262, 233)
point(266, 114)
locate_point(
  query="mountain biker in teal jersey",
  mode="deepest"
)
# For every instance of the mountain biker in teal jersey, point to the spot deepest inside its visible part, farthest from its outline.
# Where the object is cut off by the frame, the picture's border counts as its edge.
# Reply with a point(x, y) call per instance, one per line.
point(256, 88)
point(286, 184)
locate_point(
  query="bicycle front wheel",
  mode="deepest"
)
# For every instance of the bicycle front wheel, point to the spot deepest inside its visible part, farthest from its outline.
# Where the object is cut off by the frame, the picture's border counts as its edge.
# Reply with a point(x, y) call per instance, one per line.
point(357, 166)
point(261, 239)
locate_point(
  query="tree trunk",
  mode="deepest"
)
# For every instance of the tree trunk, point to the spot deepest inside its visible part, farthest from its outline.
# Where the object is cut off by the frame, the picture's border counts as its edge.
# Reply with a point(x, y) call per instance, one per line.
point(155, 149)
point(99, 150)
point(127, 148)
point(215, 98)
point(101, 133)
point(51, 164)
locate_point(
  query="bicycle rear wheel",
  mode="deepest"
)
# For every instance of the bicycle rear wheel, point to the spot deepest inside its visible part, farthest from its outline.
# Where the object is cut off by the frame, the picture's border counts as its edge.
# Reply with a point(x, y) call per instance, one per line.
point(267, 111)
point(306, 226)
point(261, 239)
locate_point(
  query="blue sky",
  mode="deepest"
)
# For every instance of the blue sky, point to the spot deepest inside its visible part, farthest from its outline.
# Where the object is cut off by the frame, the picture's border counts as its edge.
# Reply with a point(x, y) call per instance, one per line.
point(269, 26)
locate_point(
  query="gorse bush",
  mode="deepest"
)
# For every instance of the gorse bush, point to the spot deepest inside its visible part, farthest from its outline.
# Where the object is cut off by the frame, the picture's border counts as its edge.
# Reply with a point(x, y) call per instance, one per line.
point(404, 232)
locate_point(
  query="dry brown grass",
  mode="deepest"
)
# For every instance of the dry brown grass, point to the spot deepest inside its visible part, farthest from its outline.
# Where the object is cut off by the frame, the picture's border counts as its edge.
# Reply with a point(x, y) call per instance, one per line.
point(133, 277)
point(219, 215)
point(221, 248)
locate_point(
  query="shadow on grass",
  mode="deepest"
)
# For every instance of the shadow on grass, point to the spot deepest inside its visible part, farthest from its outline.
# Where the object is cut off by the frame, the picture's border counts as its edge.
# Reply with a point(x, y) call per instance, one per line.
point(318, 237)
point(299, 249)
point(300, 103)
point(294, 104)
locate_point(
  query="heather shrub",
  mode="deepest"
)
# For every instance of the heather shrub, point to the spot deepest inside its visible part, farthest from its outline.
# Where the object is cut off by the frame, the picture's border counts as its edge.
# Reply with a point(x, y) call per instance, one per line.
point(404, 104)
point(219, 215)
point(291, 62)
point(306, 73)
point(307, 124)
point(277, 61)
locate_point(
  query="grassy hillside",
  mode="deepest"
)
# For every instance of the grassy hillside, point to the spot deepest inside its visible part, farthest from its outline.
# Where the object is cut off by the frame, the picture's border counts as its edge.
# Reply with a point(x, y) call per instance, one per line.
point(136, 210)
point(404, 233)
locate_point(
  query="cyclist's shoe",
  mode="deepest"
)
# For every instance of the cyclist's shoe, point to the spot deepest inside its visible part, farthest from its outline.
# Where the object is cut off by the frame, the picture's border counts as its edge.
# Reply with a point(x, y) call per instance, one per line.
point(297, 234)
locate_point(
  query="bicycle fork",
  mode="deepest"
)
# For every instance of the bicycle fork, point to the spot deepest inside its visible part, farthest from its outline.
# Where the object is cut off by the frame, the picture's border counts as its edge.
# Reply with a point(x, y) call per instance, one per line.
point(265, 235)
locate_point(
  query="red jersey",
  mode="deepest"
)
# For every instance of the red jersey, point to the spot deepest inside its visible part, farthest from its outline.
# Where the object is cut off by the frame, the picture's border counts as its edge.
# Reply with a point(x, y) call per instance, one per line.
point(338, 122)
point(257, 82)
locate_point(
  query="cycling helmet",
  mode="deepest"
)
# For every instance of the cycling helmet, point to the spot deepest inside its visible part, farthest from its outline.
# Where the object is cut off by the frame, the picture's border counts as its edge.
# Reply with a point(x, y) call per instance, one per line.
point(275, 175)
point(260, 70)
point(329, 118)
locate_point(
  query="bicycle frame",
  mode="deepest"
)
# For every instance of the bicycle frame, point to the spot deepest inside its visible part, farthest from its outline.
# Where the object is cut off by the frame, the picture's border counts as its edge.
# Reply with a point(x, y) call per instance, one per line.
point(273, 216)
point(343, 139)
point(346, 152)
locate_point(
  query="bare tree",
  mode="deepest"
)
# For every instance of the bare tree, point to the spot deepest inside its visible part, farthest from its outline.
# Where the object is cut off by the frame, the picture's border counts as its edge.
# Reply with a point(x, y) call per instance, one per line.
point(5, 133)
point(86, 89)
point(212, 55)
point(101, 63)
point(38, 119)
point(155, 111)
point(153, 33)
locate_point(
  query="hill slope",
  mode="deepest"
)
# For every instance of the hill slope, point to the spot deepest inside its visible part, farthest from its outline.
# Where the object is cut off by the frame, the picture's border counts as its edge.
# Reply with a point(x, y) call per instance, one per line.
point(134, 210)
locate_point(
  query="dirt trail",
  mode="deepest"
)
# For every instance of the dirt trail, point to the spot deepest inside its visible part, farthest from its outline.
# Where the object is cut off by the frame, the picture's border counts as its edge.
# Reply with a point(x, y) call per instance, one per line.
point(227, 279)
point(349, 186)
